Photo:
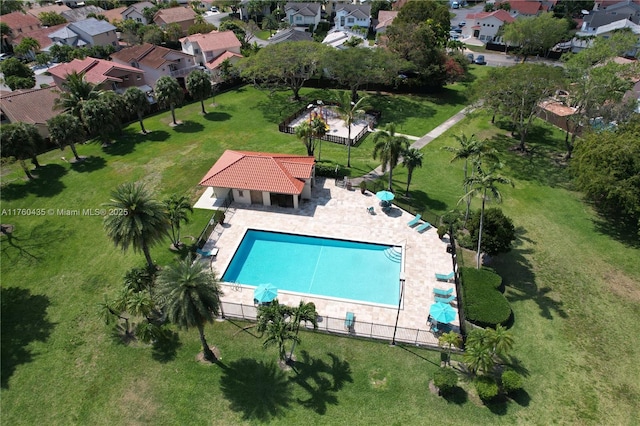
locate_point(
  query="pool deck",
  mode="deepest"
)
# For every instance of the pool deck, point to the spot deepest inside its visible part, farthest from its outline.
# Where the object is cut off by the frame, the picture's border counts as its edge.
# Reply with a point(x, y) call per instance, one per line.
point(336, 212)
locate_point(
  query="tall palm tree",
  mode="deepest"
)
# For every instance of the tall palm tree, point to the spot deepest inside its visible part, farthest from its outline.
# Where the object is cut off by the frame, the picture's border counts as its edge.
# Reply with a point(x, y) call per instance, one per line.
point(468, 149)
point(20, 140)
point(75, 91)
point(177, 207)
point(139, 220)
point(99, 117)
point(500, 340)
point(66, 129)
point(450, 339)
point(389, 147)
point(411, 158)
point(305, 312)
point(199, 86)
point(136, 101)
point(272, 322)
point(169, 93)
point(478, 357)
point(191, 297)
point(307, 131)
point(484, 183)
point(318, 130)
point(349, 111)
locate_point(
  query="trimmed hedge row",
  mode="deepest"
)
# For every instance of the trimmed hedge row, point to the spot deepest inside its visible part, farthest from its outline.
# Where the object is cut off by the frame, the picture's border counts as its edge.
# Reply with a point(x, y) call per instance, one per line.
point(484, 304)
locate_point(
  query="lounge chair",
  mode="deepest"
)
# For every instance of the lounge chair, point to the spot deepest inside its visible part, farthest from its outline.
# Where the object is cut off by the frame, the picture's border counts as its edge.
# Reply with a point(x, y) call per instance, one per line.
point(414, 221)
point(423, 227)
point(212, 253)
point(447, 277)
point(370, 210)
point(445, 300)
point(349, 320)
point(441, 292)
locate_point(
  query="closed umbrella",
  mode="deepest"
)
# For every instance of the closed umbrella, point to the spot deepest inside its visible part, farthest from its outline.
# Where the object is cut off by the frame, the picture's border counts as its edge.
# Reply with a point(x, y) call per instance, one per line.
point(265, 293)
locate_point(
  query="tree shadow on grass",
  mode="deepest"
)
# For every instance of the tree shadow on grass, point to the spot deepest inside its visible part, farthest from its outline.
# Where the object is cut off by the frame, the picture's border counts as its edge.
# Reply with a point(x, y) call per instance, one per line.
point(260, 391)
point(188, 126)
point(89, 164)
point(448, 96)
point(24, 320)
point(620, 228)
point(420, 201)
point(28, 246)
point(521, 397)
point(396, 109)
point(166, 348)
point(217, 116)
point(276, 106)
point(46, 184)
point(320, 380)
point(498, 405)
point(456, 395)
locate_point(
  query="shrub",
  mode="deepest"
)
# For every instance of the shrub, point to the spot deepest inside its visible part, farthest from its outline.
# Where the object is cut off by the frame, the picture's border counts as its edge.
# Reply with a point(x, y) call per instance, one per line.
point(486, 387)
point(218, 216)
point(363, 186)
point(498, 231)
point(329, 170)
point(442, 229)
point(445, 379)
point(484, 304)
point(511, 381)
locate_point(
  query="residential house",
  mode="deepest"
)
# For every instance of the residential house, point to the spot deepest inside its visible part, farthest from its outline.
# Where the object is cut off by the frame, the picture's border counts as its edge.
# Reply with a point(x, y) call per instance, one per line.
point(303, 14)
point(32, 106)
point(579, 42)
point(114, 15)
point(524, 8)
point(156, 61)
point(183, 16)
point(290, 34)
point(260, 178)
point(612, 13)
point(385, 18)
point(81, 13)
point(212, 49)
point(89, 32)
point(485, 25)
point(135, 12)
point(338, 38)
point(19, 23)
point(245, 14)
point(41, 35)
point(604, 4)
point(55, 8)
point(106, 74)
point(352, 15)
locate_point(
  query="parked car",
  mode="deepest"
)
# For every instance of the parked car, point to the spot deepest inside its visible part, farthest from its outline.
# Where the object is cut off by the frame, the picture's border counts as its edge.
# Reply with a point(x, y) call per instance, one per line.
point(456, 29)
point(462, 24)
point(480, 60)
point(214, 9)
point(470, 57)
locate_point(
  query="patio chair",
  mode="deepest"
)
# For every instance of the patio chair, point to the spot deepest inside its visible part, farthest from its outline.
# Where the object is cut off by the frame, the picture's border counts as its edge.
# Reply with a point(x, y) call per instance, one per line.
point(441, 292)
point(414, 221)
point(212, 253)
point(349, 320)
point(445, 277)
point(445, 299)
point(370, 210)
point(423, 227)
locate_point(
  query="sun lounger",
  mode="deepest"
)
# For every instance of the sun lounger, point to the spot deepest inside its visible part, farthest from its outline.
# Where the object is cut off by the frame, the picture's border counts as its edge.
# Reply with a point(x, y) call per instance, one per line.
point(212, 253)
point(441, 292)
point(447, 277)
point(423, 227)
point(445, 300)
point(414, 221)
point(349, 320)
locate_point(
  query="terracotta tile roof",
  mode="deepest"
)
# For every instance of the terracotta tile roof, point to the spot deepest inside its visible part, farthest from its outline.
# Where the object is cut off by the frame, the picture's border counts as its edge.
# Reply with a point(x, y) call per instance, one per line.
point(558, 108)
point(148, 54)
point(55, 8)
point(114, 14)
point(502, 15)
point(524, 7)
point(175, 14)
point(16, 20)
point(220, 59)
point(33, 106)
point(41, 35)
point(385, 18)
point(260, 171)
point(96, 70)
point(215, 40)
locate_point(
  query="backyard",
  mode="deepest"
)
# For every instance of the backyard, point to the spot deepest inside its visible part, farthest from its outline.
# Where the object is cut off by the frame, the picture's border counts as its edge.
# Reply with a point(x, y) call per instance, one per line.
point(574, 288)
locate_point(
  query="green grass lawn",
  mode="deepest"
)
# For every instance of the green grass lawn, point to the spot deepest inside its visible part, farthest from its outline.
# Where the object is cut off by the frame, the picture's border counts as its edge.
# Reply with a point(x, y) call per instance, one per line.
point(573, 288)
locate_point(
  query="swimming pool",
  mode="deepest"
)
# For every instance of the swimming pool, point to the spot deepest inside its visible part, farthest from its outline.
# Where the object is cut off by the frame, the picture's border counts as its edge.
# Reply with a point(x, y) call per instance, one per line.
point(318, 266)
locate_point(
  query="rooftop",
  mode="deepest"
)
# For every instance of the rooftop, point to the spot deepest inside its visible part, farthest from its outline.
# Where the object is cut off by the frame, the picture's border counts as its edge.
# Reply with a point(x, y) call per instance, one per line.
point(96, 70)
point(175, 14)
point(304, 9)
point(92, 26)
point(215, 40)
point(148, 54)
point(17, 20)
point(34, 106)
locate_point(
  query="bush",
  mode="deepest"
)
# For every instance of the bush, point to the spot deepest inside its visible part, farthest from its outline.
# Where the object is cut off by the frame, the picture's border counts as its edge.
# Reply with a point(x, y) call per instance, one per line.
point(442, 229)
point(486, 387)
point(445, 379)
point(498, 231)
point(484, 304)
point(218, 216)
point(329, 170)
point(511, 381)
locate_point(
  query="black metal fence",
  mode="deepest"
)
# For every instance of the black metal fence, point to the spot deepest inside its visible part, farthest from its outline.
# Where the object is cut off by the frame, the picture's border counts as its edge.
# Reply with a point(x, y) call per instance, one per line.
point(208, 229)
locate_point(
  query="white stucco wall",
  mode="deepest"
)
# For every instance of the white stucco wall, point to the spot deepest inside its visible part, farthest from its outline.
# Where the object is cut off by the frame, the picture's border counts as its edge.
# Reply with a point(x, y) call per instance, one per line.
point(245, 198)
point(266, 198)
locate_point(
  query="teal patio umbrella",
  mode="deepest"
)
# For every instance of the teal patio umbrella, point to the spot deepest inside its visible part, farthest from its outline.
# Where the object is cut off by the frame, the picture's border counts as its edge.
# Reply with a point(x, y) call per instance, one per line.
point(442, 312)
point(265, 293)
point(385, 195)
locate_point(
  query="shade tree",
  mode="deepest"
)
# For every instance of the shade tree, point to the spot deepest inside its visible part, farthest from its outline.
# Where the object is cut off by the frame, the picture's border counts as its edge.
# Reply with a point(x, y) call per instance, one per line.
point(177, 208)
point(389, 147)
point(199, 86)
point(169, 94)
point(349, 110)
point(20, 141)
point(136, 102)
point(100, 119)
point(66, 129)
point(411, 159)
point(535, 35)
point(17, 75)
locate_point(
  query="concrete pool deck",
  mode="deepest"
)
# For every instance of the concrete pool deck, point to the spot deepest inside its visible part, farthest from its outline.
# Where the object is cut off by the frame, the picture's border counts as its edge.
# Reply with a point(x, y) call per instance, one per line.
point(336, 212)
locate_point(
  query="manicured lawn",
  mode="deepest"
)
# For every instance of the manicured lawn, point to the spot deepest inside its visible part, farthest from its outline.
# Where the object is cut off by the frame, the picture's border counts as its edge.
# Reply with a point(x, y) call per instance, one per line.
point(573, 288)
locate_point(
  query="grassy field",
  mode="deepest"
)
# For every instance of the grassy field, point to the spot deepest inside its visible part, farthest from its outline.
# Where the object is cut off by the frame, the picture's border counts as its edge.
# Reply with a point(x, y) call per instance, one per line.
point(574, 289)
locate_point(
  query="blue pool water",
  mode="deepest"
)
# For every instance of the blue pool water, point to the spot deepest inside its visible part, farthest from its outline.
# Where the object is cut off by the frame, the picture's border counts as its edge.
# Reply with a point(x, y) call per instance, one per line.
point(318, 266)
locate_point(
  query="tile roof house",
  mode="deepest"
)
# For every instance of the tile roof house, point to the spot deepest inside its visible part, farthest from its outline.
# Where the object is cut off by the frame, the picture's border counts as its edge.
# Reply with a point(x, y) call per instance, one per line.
point(114, 15)
point(183, 16)
point(33, 106)
point(55, 8)
point(261, 178)
point(211, 49)
point(106, 74)
point(485, 25)
point(351, 15)
point(20, 23)
point(303, 14)
point(385, 18)
point(81, 13)
point(156, 61)
point(135, 12)
point(290, 34)
point(41, 35)
point(91, 32)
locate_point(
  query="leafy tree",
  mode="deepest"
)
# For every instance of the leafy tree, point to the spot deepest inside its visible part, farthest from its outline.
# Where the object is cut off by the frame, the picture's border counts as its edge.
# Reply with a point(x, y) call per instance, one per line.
point(76, 90)
point(173, 32)
point(445, 379)
point(169, 93)
point(191, 297)
point(309, 131)
point(100, 119)
point(50, 19)
point(254, 7)
point(8, 6)
point(119, 108)
point(137, 102)
point(498, 231)
point(17, 75)
point(511, 381)
point(141, 223)
point(484, 183)
point(131, 31)
point(434, 14)
point(537, 34)
point(21, 141)
point(63, 53)
point(378, 5)
point(5, 30)
point(177, 207)
point(66, 129)
point(288, 64)
point(149, 12)
point(450, 339)
point(271, 23)
point(389, 148)
point(201, 28)
point(28, 46)
point(411, 158)
point(43, 58)
point(349, 110)
point(199, 86)
point(152, 34)
point(305, 312)
point(239, 29)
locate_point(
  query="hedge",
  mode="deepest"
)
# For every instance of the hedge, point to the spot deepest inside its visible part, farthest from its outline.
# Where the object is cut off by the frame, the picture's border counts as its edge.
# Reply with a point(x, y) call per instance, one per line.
point(486, 387)
point(484, 304)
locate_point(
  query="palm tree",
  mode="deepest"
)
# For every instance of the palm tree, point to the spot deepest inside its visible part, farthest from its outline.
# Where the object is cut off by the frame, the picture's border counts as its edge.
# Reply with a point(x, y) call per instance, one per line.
point(21, 141)
point(270, 22)
point(66, 129)
point(305, 312)
point(411, 158)
point(169, 93)
point(76, 90)
point(308, 130)
point(191, 297)
point(485, 184)
point(450, 339)
point(137, 102)
point(140, 222)
point(389, 147)
point(177, 207)
point(500, 340)
point(272, 322)
point(478, 357)
point(100, 118)
point(318, 130)
point(199, 86)
point(349, 111)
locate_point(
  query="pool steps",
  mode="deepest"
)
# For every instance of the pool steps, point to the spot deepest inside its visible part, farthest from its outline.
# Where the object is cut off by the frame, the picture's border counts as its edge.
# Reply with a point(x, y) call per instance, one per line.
point(394, 255)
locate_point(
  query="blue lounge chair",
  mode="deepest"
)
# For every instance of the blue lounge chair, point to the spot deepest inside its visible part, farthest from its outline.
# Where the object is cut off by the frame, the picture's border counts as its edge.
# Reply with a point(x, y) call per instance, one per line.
point(441, 292)
point(349, 320)
point(447, 277)
point(414, 221)
point(212, 253)
point(445, 300)
point(423, 227)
